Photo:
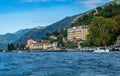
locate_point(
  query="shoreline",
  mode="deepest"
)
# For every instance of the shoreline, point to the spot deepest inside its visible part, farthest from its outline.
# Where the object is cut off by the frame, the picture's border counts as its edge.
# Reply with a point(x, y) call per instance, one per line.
point(22, 51)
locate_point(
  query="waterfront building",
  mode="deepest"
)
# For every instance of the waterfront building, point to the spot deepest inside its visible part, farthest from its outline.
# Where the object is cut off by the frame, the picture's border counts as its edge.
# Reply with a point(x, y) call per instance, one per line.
point(43, 45)
point(53, 37)
point(54, 44)
point(118, 41)
point(47, 46)
point(64, 39)
point(77, 33)
point(29, 42)
point(36, 46)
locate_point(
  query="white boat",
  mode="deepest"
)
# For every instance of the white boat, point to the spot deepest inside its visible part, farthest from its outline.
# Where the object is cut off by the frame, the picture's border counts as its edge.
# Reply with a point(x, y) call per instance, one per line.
point(19, 51)
point(101, 50)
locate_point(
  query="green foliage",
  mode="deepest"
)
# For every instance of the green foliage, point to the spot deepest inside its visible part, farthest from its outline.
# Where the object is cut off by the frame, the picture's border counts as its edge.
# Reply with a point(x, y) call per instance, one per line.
point(21, 47)
point(71, 45)
point(11, 47)
point(109, 11)
point(63, 32)
point(56, 33)
point(83, 20)
point(85, 44)
point(60, 39)
point(101, 31)
point(117, 19)
point(59, 34)
point(99, 9)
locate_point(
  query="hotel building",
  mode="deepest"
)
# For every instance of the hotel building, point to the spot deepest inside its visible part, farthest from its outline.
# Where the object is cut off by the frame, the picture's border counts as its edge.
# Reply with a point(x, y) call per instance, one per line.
point(77, 33)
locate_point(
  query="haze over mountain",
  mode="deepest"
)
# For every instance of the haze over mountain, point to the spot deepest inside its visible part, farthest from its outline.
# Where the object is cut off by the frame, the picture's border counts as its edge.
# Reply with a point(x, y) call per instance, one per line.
point(12, 37)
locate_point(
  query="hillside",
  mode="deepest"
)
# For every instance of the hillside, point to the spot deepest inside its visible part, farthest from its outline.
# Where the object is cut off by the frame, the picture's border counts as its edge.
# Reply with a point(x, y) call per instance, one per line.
point(37, 34)
point(109, 10)
point(11, 37)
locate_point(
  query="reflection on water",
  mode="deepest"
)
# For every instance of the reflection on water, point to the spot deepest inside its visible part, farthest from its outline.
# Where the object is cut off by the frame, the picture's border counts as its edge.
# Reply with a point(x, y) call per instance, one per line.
point(60, 64)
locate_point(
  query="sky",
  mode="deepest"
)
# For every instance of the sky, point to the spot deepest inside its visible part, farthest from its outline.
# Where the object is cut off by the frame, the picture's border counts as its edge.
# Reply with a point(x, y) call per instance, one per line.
point(21, 14)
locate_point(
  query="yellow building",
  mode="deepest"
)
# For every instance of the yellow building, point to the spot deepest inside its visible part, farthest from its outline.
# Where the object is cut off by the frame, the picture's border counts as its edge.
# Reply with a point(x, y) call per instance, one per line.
point(77, 33)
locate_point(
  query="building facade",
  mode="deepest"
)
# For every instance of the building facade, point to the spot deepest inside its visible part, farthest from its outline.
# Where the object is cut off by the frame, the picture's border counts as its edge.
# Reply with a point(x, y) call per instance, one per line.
point(53, 37)
point(118, 41)
point(47, 46)
point(36, 46)
point(55, 45)
point(29, 42)
point(77, 33)
point(43, 45)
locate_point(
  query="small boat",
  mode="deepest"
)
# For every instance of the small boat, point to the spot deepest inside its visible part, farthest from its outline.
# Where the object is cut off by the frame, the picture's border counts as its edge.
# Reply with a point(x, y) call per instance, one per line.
point(101, 50)
point(19, 51)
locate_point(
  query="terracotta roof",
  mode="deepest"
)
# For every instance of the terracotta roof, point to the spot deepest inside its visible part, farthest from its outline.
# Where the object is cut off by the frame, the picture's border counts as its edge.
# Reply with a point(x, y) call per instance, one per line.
point(37, 44)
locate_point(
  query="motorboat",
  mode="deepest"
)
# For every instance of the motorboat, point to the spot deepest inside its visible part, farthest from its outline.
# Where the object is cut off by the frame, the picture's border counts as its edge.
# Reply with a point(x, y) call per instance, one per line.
point(101, 49)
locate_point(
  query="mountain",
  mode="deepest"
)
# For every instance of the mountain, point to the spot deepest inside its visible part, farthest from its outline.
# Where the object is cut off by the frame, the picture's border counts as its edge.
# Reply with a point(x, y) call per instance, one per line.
point(37, 34)
point(11, 37)
point(78, 20)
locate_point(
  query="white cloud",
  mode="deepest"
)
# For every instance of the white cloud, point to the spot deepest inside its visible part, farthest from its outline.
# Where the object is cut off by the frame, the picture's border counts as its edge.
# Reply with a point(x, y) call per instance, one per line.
point(91, 3)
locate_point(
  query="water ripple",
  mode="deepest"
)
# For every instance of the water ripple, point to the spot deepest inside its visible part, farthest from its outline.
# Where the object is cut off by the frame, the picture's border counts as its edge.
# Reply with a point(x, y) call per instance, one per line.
point(60, 64)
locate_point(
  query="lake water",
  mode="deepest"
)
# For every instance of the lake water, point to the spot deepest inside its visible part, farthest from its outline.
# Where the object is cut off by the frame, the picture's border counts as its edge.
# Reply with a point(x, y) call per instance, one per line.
point(60, 64)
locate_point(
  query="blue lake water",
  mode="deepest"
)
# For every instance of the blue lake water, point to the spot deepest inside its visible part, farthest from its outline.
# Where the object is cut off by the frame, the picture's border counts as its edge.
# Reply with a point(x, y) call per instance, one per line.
point(60, 64)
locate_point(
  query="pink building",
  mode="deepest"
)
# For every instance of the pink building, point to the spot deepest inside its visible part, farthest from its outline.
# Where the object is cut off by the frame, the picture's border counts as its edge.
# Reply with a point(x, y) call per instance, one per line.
point(29, 42)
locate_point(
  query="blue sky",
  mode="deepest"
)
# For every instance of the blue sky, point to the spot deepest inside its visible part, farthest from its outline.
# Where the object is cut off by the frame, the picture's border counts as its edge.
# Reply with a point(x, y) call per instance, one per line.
point(20, 14)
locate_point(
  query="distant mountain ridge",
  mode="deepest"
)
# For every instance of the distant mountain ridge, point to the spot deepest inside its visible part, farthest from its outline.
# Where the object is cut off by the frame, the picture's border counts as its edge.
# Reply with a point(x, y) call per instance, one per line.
point(11, 37)
point(37, 34)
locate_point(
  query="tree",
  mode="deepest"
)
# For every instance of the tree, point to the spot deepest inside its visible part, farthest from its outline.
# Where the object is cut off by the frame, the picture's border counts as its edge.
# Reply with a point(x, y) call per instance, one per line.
point(11, 47)
point(21, 46)
point(117, 19)
point(101, 31)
